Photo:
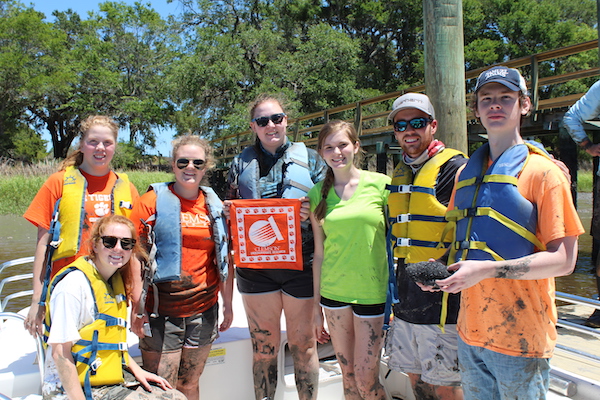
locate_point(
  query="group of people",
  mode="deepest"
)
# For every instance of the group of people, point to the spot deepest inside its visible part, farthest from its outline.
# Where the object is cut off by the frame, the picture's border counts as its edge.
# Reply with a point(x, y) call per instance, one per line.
point(503, 222)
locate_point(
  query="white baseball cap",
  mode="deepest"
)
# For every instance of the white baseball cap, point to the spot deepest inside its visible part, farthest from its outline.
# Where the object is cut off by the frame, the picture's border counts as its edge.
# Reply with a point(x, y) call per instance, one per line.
point(419, 101)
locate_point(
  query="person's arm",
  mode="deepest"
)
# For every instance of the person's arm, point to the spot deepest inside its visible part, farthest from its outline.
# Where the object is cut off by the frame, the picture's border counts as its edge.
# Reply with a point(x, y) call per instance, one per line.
point(557, 260)
point(139, 317)
point(35, 316)
point(227, 296)
point(319, 238)
point(144, 377)
point(586, 108)
point(67, 372)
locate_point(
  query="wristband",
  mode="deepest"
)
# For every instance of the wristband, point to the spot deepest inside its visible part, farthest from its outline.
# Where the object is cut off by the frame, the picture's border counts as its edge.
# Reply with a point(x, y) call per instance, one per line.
point(587, 144)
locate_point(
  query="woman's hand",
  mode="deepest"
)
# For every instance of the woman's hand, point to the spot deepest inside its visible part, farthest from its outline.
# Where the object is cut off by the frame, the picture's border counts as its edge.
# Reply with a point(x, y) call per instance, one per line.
point(304, 208)
point(320, 332)
point(34, 320)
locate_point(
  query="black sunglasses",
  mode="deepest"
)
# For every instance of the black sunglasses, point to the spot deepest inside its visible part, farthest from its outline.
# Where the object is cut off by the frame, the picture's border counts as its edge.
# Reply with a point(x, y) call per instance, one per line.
point(264, 121)
point(416, 123)
point(111, 241)
point(182, 163)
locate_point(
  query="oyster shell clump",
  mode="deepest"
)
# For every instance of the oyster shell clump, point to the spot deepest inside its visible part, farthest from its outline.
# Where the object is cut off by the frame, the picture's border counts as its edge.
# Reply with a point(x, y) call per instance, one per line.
point(427, 272)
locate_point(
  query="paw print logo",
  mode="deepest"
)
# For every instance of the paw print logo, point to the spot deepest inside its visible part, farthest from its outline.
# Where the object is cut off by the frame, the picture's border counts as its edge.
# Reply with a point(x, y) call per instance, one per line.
point(102, 209)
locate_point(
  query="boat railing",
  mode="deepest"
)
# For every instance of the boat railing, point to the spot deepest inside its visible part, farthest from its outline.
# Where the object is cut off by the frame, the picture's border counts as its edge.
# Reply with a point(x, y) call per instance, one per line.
point(562, 381)
point(14, 278)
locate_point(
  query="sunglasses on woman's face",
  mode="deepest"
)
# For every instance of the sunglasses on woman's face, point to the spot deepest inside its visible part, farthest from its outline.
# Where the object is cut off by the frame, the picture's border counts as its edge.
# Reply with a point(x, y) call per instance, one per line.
point(182, 163)
point(111, 241)
point(416, 123)
point(264, 121)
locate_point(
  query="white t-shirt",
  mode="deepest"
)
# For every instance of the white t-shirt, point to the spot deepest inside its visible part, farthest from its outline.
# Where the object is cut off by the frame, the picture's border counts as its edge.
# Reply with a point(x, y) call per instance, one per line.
point(71, 308)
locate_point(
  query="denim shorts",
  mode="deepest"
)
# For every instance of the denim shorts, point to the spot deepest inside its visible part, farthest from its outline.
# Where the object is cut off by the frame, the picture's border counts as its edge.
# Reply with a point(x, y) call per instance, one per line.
point(488, 375)
point(173, 333)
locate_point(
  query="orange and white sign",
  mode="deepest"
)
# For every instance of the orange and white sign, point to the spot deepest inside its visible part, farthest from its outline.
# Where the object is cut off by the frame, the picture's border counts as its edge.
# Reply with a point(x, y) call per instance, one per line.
point(266, 233)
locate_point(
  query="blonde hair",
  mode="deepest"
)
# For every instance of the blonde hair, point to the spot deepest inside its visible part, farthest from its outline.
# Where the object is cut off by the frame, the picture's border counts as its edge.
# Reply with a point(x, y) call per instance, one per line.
point(137, 251)
point(75, 159)
point(327, 130)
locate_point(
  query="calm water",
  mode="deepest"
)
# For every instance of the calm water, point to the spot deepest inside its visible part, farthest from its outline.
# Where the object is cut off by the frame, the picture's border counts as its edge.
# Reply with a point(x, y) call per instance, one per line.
point(17, 239)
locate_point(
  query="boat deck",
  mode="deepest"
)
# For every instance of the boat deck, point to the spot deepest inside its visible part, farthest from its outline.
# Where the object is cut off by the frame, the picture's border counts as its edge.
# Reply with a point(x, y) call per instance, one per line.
point(586, 362)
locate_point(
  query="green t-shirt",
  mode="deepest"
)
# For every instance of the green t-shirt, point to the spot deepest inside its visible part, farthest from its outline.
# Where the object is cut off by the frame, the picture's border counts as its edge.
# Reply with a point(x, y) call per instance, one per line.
point(355, 268)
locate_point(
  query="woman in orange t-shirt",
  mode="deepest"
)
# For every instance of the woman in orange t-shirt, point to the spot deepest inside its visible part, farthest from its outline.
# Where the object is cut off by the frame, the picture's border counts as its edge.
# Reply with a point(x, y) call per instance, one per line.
point(85, 182)
point(187, 280)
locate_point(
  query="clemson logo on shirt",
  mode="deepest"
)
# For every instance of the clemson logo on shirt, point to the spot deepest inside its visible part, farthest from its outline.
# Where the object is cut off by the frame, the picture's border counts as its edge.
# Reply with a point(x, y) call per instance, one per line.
point(102, 209)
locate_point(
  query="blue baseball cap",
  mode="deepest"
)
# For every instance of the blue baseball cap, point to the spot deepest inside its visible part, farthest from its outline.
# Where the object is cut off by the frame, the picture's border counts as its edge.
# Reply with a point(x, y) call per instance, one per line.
point(509, 77)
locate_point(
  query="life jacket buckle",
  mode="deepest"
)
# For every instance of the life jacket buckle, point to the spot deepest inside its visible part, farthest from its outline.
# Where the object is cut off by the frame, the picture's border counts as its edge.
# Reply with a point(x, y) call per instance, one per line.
point(94, 365)
point(402, 242)
point(402, 218)
point(471, 212)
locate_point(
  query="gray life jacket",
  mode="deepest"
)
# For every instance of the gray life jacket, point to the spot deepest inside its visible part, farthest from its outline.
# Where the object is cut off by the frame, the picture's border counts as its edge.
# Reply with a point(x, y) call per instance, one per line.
point(294, 162)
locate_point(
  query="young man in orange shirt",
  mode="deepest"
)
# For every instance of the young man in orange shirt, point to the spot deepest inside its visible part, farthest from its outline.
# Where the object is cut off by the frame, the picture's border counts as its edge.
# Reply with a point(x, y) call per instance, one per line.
point(516, 229)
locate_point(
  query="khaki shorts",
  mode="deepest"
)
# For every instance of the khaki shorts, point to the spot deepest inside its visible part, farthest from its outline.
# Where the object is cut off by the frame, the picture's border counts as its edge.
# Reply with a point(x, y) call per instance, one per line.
point(424, 350)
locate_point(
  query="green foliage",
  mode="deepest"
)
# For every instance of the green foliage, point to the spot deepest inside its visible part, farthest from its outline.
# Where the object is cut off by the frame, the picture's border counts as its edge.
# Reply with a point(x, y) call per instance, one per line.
point(585, 181)
point(196, 72)
point(16, 192)
point(143, 179)
point(128, 155)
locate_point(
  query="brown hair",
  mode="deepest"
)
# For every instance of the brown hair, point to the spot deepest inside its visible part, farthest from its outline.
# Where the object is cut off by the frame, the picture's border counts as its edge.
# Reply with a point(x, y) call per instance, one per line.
point(264, 97)
point(473, 103)
point(137, 251)
point(76, 157)
point(327, 130)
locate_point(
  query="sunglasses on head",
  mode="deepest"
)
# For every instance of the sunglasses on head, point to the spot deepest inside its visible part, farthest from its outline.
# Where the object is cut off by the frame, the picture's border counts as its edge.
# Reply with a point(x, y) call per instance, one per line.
point(416, 123)
point(111, 241)
point(182, 163)
point(264, 121)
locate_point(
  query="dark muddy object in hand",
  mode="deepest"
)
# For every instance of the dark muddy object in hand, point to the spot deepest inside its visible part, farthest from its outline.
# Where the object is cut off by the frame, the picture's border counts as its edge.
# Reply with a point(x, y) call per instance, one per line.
point(427, 272)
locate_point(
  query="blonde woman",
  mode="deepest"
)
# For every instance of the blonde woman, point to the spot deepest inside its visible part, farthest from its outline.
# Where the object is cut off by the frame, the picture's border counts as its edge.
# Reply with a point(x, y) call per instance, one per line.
point(192, 268)
point(71, 200)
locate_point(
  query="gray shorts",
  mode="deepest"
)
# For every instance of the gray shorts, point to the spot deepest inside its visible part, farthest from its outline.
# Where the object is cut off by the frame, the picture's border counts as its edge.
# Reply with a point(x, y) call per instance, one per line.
point(173, 333)
point(424, 350)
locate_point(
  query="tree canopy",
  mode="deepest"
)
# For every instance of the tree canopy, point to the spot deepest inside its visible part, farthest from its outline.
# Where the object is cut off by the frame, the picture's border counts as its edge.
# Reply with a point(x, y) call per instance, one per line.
point(197, 71)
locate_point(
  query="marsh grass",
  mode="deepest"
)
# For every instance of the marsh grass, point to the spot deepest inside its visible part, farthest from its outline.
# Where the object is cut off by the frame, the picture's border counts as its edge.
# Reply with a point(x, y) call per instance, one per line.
point(19, 182)
point(585, 181)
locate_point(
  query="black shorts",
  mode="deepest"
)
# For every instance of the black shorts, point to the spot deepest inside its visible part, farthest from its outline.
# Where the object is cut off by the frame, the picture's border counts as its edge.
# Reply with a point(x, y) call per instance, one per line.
point(297, 284)
point(361, 310)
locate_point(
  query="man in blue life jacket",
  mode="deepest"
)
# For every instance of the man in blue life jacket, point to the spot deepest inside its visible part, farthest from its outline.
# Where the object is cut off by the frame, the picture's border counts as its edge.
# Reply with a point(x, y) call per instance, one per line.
point(515, 230)
point(422, 341)
point(585, 109)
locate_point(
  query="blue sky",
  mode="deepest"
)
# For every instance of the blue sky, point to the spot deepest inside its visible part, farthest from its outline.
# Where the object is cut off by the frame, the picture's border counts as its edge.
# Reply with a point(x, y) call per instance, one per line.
point(82, 7)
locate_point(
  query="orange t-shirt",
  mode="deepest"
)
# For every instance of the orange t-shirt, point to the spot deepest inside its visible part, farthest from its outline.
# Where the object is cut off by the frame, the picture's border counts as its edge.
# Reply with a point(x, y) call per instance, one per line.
point(518, 317)
point(197, 290)
point(97, 205)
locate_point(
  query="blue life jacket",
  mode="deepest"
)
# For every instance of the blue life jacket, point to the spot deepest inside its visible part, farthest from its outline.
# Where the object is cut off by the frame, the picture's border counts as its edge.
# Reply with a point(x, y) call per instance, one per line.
point(167, 233)
point(493, 220)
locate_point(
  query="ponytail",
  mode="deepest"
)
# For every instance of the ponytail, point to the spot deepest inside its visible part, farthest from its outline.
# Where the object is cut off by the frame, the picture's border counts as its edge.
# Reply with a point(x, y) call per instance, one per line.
point(321, 209)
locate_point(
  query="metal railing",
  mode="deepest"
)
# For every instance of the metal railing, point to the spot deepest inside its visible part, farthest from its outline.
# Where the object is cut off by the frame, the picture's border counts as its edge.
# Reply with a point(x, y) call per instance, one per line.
point(305, 127)
point(14, 278)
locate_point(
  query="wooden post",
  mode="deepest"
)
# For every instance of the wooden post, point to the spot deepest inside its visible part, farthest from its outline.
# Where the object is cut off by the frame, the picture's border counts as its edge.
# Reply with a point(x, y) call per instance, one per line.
point(445, 69)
